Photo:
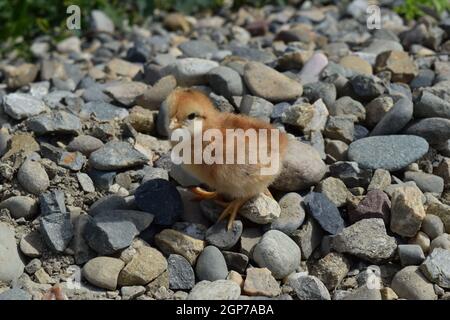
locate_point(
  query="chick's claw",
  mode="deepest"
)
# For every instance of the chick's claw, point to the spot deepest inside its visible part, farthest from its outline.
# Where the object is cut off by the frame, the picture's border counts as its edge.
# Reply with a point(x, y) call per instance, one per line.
point(231, 210)
point(202, 194)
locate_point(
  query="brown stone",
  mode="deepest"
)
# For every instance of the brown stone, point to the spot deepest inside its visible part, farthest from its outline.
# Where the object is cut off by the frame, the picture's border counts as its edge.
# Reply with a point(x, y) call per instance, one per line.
point(260, 282)
point(376, 204)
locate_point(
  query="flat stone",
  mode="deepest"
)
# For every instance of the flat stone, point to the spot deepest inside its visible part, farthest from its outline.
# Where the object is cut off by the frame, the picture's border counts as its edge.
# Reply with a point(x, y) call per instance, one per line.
point(116, 155)
point(426, 182)
point(324, 212)
point(12, 265)
point(174, 242)
point(33, 177)
point(278, 253)
point(269, 84)
point(85, 182)
point(126, 92)
point(260, 282)
point(366, 239)
point(437, 267)
point(409, 283)
point(21, 106)
point(57, 122)
point(181, 274)
point(102, 111)
point(190, 71)
point(20, 207)
point(435, 130)
point(216, 290)
point(211, 265)
point(103, 272)
point(15, 294)
point(391, 153)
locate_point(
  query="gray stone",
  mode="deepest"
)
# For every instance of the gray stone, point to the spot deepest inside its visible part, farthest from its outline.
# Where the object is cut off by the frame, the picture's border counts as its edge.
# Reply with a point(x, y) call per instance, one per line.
point(392, 153)
point(261, 209)
point(410, 254)
point(20, 207)
point(33, 177)
point(15, 294)
point(443, 242)
point(409, 283)
point(236, 261)
point(292, 214)
point(85, 144)
point(101, 22)
point(116, 155)
point(346, 106)
point(57, 230)
point(102, 111)
point(190, 71)
point(256, 107)
point(351, 174)
point(331, 269)
point(216, 290)
point(364, 293)
point(407, 211)
point(218, 235)
point(278, 253)
point(131, 292)
point(198, 48)
point(366, 87)
point(85, 182)
point(340, 128)
point(21, 105)
point(308, 287)
point(211, 265)
point(430, 105)
point(437, 267)
point(324, 212)
point(103, 272)
point(12, 265)
point(226, 82)
point(433, 226)
point(435, 130)
point(366, 239)
point(302, 167)
point(57, 122)
point(426, 182)
point(320, 90)
point(308, 237)
point(32, 244)
point(181, 274)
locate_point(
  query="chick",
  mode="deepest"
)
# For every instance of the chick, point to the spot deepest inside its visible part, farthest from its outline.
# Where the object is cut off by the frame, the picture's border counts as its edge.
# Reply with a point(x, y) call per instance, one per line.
point(237, 181)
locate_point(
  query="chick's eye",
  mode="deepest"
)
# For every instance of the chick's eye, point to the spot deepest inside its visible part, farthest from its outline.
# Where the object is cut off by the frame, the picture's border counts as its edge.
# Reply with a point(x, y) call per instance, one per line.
point(191, 116)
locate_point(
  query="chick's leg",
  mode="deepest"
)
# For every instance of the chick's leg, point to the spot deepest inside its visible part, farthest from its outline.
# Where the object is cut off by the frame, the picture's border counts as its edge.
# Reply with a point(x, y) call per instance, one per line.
point(202, 194)
point(231, 210)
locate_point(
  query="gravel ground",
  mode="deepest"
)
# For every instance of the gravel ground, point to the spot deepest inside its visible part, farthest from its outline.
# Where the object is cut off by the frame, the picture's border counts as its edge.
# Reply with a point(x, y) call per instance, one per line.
point(90, 201)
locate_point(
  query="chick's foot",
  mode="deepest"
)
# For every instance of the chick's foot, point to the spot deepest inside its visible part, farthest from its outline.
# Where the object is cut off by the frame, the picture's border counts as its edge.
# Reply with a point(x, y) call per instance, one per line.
point(202, 194)
point(231, 210)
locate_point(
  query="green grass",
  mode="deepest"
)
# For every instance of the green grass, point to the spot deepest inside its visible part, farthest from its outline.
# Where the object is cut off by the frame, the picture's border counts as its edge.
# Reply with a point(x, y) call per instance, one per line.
point(413, 9)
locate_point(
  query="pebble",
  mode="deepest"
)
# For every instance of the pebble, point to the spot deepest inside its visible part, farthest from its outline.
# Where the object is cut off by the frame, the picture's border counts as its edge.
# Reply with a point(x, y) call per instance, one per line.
point(407, 211)
point(100, 22)
point(350, 173)
point(181, 274)
point(426, 182)
point(32, 244)
point(392, 152)
point(443, 242)
point(162, 199)
point(331, 269)
point(211, 265)
point(422, 240)
point(85, 144)
point(33, 177)
point(435, 130)
point(85, 182)
point(346, 106)
point(146, 265)
point(410, 254)
point(278, 253)
point(218, 235)
point(22, 106)
point(131, 292)
point(308, 237)
point(190, 71)
point(364, 293)
point(256, 107)
point(302, 167)
point(308, 287)
point(116, 155)
point(320, 90)
point(33, 266)
point(376, 204)
point(433, 226)
point(436, 267)
point(324, 212)
point(215, 290)
point(269, 84)
point(20, 207)
point(340, 128)
point(313, 67)
point(102, 111)
point(366, 87)
point(260, 282)
point(15, 294)
point(236, 261)
point(429, 105)
point(261, 209)
point(292, 214)
point(377, 109)
point(366, 239)
point(434, 206)
point(334, 189)
point(103, 272)
point(57, 122)
point(336, 149)
point(174, 242)
point(399, 64)
point(226, 82)
point(110, 231)
point(410, 283)
point(125, 93)
point(356, 64)
point(380, 180)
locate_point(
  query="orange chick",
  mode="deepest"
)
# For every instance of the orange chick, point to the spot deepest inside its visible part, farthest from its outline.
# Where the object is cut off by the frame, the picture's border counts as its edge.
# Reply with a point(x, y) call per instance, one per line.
point(245, 171)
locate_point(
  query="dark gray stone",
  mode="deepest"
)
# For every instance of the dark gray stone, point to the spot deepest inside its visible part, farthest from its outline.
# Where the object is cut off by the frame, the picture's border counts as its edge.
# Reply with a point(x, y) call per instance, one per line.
point(181, 274)
point(116, 155)
point(15, 294)
point(395, 119)
point(435, 130)
point(211, 265)
point(236, 261)
point(218, 235)
point(410, 254)
point(324, 212)
point(57, 122)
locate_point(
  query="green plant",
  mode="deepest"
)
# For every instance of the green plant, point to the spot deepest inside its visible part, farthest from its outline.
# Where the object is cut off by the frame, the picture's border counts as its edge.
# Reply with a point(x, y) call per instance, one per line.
point(412, 9)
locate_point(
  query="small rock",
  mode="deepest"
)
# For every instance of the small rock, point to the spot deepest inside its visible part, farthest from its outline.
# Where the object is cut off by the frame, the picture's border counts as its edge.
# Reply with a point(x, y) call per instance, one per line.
point(443, 242)
point(261, 209)
point(407, 211)
point(181, 274)
point(131, 292)
point(308, 237)
point(211, 265)
point(364, 293)
point(269, 84)
point(119, 67)
point(85, 182)
point(57, 122)
point(340, 128)
point(377, 109)
point(366, 239)
point(116, 155)
point(216, 290)
point(102, 111)
point(190, 71)
point(367, 87)
point(308, 287)
point(409, 283)
point(101, 22)
point(33, 177)
point(350, 173)
point(260, 282)
point(422, 240)
point(357, 64)
point(401, 66)
point(277, 252)
point(346, 106)
point(426, 182)
point(380, 180)
point(236, 261)
point(20, 207)
point(376, 204)
point(410, 254)
point(256, 107)
point(435, 130)
point(324, 212)
point(218, 235)
point(437, 267)
point(21, 106)
point(85, 144)
point(15, 294)
point(171, 241)
point(32, 244)
point(336, 149)
point(33, 266)
point(433, 226)
point(313, 67)
point(226, 82)
point(292, 214)
point(12, 265)
point(103, 272)
point(334, 189)
point(331, 269)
